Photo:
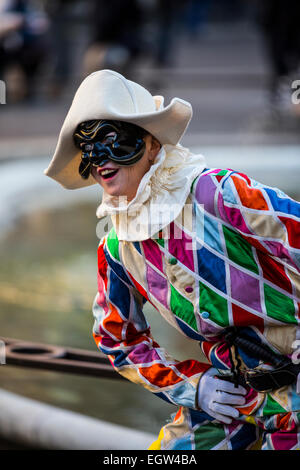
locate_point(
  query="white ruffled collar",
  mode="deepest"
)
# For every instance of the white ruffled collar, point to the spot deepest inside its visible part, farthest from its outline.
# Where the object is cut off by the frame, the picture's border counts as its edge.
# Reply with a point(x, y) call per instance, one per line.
point(160, 196)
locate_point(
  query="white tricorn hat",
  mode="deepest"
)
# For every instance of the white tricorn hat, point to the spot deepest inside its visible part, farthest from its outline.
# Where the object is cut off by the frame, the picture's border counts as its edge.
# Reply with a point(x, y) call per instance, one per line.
point(106, 94)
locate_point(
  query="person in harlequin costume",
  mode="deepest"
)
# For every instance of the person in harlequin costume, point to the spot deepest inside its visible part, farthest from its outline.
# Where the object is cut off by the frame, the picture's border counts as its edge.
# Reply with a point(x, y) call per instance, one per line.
point(214, 251)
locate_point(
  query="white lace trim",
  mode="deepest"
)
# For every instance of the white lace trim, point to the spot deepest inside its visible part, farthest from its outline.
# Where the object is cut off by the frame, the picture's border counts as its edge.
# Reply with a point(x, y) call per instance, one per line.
point(160, 197)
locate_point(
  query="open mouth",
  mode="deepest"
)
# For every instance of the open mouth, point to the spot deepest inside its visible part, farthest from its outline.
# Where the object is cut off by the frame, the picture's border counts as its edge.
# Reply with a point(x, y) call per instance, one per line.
point(107, 174)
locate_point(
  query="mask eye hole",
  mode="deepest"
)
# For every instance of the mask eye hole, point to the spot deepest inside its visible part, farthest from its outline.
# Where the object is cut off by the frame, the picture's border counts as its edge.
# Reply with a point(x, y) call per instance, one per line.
point(109, 138)
point(86, 147)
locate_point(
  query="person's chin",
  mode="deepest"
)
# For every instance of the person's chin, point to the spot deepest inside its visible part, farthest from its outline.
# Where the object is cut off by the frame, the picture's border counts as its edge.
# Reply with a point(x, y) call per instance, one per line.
point(113, 191)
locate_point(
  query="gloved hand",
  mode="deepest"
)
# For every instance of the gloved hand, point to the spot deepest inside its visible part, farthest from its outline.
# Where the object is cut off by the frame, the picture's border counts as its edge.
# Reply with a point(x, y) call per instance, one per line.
point(218, 398)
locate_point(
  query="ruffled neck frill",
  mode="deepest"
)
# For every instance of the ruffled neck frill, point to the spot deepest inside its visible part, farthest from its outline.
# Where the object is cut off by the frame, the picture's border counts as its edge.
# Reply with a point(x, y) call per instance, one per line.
point(160, 196)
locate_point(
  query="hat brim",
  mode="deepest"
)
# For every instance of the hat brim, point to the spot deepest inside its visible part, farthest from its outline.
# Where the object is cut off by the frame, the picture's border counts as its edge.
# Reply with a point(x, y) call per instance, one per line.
point(167, 125)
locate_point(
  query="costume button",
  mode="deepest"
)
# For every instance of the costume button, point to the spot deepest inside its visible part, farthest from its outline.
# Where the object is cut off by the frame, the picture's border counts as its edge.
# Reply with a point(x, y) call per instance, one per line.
point(188, 289)
point(205, 315)
point(173, 261)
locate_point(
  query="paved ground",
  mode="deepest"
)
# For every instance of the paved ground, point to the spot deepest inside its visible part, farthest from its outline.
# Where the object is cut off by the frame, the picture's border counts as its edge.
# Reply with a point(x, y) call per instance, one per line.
point(223, 73)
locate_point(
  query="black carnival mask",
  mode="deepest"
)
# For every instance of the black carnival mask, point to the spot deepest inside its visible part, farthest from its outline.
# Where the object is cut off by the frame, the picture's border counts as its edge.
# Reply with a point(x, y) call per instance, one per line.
point(104, 141)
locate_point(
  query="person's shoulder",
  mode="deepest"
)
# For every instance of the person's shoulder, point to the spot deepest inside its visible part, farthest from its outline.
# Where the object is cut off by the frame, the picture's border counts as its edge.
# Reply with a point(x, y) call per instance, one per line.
point(111, 243)
point(216, 178)
point(208, 182)
point(109, 254)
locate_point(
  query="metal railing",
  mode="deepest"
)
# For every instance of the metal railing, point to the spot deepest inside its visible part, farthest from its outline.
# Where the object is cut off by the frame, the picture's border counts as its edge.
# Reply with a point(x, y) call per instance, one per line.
point(57, 358)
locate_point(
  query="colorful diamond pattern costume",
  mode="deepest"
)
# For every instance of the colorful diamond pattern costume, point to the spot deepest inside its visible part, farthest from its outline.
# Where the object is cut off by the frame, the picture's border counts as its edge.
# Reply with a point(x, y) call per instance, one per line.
point(232, 257)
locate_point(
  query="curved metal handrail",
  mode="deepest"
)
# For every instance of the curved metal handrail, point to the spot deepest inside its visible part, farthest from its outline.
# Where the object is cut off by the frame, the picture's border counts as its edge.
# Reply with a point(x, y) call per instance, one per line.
point(57, 358)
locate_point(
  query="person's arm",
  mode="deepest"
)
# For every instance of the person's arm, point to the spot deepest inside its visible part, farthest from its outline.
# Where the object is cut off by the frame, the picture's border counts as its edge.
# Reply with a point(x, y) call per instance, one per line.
point(122, 333)
point(265, 217)
point(255, 229)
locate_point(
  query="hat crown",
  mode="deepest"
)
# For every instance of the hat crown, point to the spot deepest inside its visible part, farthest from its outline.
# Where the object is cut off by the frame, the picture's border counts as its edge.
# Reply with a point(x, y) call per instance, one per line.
point(110, 94)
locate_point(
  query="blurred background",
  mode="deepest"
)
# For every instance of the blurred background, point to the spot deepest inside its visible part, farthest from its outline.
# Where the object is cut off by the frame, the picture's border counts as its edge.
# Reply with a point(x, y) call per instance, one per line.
point(236, 61)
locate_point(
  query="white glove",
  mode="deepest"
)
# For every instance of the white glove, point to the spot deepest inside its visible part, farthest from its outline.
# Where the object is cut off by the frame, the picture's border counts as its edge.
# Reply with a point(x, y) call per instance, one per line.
point(218, 398)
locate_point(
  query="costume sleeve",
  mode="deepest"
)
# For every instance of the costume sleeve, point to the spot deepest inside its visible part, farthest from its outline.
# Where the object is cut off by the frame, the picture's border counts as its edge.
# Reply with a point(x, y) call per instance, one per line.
point(266, 217)
point(122, 333)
